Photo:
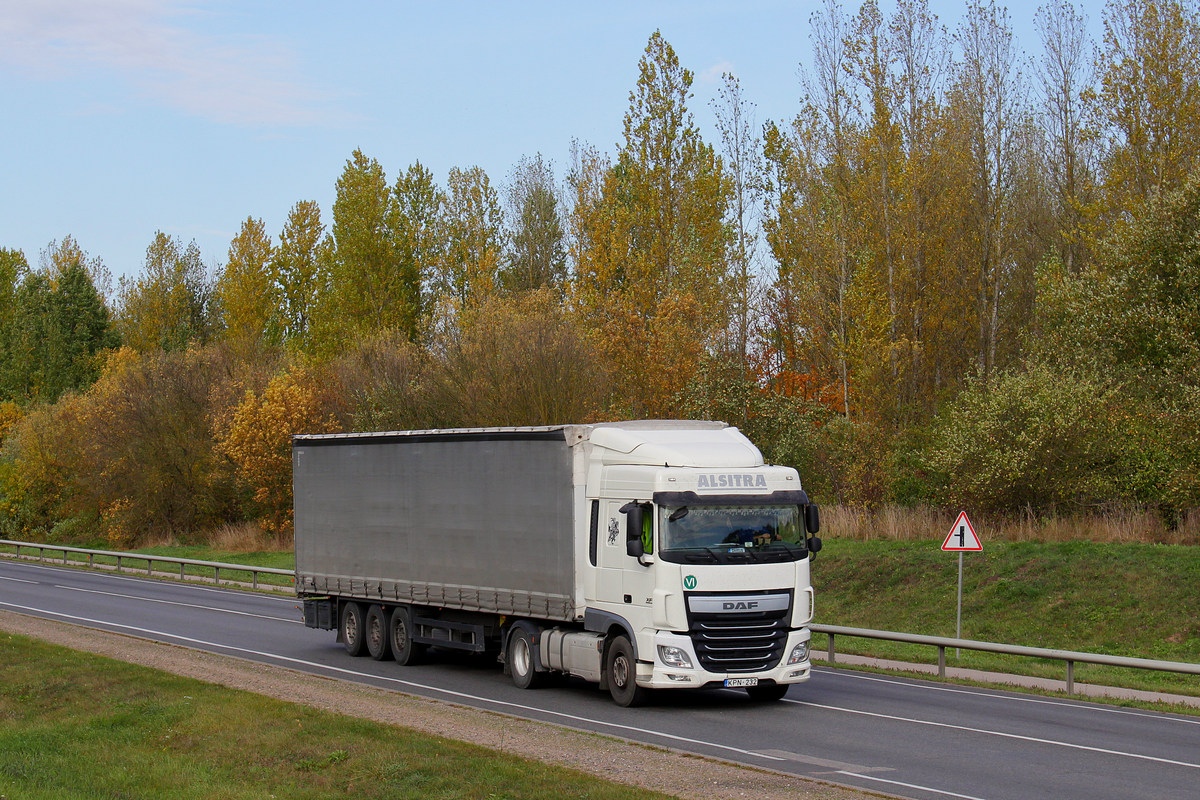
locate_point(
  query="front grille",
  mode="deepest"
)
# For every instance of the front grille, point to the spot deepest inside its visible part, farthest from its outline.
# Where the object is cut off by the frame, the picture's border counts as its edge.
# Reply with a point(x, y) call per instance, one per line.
point(739, 642)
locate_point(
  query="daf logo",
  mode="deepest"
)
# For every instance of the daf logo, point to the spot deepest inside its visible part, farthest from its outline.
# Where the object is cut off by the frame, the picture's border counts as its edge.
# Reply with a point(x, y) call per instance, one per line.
point(741, 605)
point(738, 603)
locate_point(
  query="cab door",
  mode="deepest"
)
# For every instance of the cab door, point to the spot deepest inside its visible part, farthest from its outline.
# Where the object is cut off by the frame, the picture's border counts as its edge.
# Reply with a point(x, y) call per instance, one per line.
point(637, 580)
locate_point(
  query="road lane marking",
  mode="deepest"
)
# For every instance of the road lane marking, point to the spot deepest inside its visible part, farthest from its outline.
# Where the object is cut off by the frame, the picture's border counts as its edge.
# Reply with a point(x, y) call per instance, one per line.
point(839, 766)
point(176, 603)
point(411, 684)
point(911, 786)
point(1082, 704)
point(15, 580)
point(1001, 734)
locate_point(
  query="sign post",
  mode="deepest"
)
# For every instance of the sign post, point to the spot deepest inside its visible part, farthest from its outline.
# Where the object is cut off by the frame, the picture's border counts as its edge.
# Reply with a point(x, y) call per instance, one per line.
point(961, 539)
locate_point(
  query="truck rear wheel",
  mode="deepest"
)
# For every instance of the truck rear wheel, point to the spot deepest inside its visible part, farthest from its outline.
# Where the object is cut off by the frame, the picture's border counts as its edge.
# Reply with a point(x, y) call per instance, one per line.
point(352, 628)
point(521, 663)
point(377, 634)
point(621, 666)
point(404, 649)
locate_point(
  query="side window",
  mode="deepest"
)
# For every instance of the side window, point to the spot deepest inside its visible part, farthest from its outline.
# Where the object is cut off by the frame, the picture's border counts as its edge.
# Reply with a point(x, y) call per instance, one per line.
point(593, 542)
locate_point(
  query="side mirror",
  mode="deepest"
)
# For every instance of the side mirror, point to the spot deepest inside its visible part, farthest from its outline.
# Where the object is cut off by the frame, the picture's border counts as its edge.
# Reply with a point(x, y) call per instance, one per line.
point(634, 518)
point(814, 544)
point(812, 518)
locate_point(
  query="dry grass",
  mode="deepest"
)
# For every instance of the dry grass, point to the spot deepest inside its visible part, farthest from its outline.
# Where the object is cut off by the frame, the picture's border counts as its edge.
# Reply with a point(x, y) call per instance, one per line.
point(244, 537)
point(1112, 526)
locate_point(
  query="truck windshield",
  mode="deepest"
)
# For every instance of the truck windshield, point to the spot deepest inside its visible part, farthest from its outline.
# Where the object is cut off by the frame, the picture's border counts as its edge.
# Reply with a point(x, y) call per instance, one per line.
point(731, 534)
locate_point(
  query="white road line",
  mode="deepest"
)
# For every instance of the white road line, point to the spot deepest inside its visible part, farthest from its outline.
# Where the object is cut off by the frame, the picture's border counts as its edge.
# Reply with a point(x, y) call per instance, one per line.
point(910, 786)
point(410, 684)
point(15, 580)
point(1082, 704)
point(175, 603)
point(1001, 734)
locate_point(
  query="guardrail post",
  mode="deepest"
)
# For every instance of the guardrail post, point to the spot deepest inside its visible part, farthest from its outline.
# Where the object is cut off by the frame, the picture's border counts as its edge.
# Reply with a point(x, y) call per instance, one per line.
point(1070, 677)
point(118, 563)
point(941, 661)
point(830, 648)
point(254, 579)
point(149, 566)
point(217, 575)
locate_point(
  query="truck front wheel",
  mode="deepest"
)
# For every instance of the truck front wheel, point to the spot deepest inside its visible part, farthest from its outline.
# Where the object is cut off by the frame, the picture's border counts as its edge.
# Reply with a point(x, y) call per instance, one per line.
point(521, 663)
point(621, 667)
point(352, 629)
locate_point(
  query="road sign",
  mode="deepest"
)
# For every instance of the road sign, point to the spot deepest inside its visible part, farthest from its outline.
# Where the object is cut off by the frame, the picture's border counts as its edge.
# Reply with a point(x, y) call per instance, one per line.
point(962, 536)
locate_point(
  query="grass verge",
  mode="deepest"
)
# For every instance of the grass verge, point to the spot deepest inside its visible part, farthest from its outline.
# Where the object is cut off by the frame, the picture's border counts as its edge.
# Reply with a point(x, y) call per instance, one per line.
point(1135, 600)
point(77, 725)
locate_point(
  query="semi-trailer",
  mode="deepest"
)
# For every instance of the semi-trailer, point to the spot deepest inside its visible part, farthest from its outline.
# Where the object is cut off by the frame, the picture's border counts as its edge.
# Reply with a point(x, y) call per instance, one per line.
point(636, 555)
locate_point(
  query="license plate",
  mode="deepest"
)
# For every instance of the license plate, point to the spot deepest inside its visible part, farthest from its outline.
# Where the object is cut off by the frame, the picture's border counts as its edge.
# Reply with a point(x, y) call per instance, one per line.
point(741, 681)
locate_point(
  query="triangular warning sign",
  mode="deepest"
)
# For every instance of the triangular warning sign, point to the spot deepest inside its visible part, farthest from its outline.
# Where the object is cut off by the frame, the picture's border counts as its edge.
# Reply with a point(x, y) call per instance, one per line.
point(962, 536)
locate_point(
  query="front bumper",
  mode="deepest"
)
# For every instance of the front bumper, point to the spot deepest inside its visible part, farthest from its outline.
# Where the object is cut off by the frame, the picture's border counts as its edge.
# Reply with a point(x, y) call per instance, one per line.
point(658, 675)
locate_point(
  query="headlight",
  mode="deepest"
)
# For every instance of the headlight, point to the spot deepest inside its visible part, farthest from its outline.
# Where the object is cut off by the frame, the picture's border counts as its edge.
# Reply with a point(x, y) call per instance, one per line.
point(674, 656)
point(799, 654)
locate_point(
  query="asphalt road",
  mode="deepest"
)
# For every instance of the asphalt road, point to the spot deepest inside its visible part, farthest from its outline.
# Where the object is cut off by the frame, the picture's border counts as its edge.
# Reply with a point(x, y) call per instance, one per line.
point(894, 736)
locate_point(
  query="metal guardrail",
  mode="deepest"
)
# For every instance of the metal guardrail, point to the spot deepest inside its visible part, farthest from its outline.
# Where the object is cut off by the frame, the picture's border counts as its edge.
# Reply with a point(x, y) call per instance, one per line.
point(151, 560)
point(1071, 657)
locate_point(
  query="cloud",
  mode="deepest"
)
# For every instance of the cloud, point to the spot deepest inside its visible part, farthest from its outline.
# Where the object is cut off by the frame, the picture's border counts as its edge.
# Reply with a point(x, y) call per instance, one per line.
point(148, 44)
point(713, 74)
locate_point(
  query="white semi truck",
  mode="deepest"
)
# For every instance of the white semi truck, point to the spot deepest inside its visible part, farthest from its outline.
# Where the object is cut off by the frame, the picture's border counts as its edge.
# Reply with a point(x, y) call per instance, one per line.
point(636, 555)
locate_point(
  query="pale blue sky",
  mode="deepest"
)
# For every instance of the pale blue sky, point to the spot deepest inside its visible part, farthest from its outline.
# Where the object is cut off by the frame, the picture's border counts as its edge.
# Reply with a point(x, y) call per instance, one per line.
point(124, 117)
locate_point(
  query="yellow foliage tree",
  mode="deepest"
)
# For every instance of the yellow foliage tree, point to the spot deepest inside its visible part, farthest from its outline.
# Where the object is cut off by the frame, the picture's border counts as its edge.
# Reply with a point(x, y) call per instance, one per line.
point(258, 441)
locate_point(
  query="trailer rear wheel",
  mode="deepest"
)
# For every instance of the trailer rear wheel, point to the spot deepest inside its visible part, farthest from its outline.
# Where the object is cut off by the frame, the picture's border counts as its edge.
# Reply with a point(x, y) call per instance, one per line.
point(404, 649)
point(622, 674)
point(377, 635)
point(521, 663)
point(351, 629)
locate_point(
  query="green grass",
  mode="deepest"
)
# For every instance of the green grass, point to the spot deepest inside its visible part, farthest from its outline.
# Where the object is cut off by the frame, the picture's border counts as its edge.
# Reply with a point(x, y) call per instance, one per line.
point(74, 725)
point(1137, 600)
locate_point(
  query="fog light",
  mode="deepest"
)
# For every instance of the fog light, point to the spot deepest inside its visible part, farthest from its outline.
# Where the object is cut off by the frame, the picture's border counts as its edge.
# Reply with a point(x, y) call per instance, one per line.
point(799, 654)
point(679, 678)
point(674, 656)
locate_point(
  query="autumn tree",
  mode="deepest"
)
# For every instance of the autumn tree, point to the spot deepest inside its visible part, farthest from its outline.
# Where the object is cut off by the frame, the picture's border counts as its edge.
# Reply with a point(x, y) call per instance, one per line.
point(515, 360)
point(1148, 100)
point(56, 325)
point(258, 441)
point(420, 245)
point(1064, 74)
point(537, 253)
point(469, 269)
point(989, 104)
point(368, 288)
point(741, 149)
point(295, 272)
point(650, 238)
point(245, 296)
point(167, 306)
